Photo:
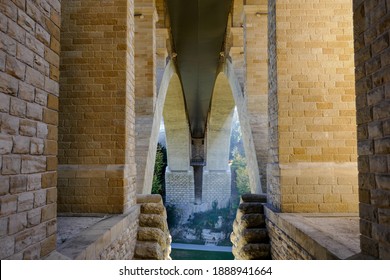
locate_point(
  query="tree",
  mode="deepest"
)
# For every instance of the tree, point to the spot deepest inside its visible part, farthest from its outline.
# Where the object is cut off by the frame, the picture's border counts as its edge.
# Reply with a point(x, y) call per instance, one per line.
point(241, 172)
point(158, 184)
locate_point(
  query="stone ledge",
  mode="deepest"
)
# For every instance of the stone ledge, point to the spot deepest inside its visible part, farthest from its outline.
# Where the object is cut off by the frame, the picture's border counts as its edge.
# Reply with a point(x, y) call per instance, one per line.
point(91, 242)
point(313, 232)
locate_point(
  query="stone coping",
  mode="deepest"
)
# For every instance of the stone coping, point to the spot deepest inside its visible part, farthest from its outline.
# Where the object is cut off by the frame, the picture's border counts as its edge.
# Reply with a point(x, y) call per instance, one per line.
point(323, 235)
point(88, 244)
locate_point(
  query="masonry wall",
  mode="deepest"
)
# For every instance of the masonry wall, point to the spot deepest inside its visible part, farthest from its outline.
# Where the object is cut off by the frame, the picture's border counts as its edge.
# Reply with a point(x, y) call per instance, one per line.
point(372, 59)
point(29, 90)
point(145, 90)
point(312, 107)
point(96, 130)
point(256, 78)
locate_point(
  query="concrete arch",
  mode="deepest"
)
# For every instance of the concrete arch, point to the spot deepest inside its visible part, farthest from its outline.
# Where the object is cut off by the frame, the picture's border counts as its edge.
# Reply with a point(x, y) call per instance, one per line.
point(219, 125)
point(146, 186)
point(241, 103)
point(176, 127)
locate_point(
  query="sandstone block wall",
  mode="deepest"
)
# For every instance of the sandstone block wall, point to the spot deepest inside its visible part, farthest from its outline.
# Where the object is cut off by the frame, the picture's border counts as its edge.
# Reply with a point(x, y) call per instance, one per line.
point(29, 90)
point(96, 129)
point(145, 90)
point(256, 78)
point(372, 59)
point(313, 151)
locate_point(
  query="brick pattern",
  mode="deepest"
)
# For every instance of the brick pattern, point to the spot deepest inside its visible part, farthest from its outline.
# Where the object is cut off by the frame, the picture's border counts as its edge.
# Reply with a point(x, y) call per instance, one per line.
point(283, 247)
point(29, 89)
point(216, 187)
point(145, 87)
point(179, 187)
point(96, 130)
point(256, 79)
point(372, 59)
point(315, 103)
point(29, 62)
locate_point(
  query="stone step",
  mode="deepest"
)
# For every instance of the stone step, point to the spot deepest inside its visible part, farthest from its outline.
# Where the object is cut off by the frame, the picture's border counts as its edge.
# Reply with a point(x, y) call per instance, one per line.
point(249, 208)
point(149, 198)
point(147, 250)
point(154, 221)
point(258, 251)
point(261, 198)
point(153, 208)
point(152, 234)
point(253, 220)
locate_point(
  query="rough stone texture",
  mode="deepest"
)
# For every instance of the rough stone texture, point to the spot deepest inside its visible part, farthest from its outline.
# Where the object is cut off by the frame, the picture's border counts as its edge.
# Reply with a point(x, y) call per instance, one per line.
point(145, 92)
point(250, 236)
point(372, 49)
point(28, 56)
point(113, 238)
point(153, 239)
point(96, 130)
point(312, 157)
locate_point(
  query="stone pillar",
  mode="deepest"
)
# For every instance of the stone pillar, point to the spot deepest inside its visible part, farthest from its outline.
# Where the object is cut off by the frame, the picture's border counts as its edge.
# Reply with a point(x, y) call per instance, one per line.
point(145, 18)
point(96, 131)
point(313, 150)
point(29, 90)
point(256, 79)
point(216, 174)
point(179, 177)
point(372, 58)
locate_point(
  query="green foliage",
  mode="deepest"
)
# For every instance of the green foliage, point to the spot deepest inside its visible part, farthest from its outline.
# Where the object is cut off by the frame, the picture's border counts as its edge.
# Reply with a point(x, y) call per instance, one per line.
point(158, 184)
point(241, 173)
point(173, 216)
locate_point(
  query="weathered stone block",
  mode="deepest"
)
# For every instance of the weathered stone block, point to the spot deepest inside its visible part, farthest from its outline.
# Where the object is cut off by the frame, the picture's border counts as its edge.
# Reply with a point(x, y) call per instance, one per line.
point(4, 103)
point(29, 236)
point(42, 130)
point(11, 164)
point(15, 68)
point(25, 201)
point(33, 164)
point(17, 223)
point(28, 128)
point(34, 111)
point(382, 146)
point(8, 84)
point(17, 184)
point(3, 226)
point(41, 97)
point(4, 185)
point(5, 144)
point(8, 204)
point(49, 180)
point(49, 212)
point(37, 146)
point(34, 217)
point(50, 116)
point(21, 145)
point(26, 92)
point(32, 252)
point(34, 182)
point(378, 164)
point(39, 198)
point(10, 124)
point(7, 247)
point(48, 245)
point(35, 78)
